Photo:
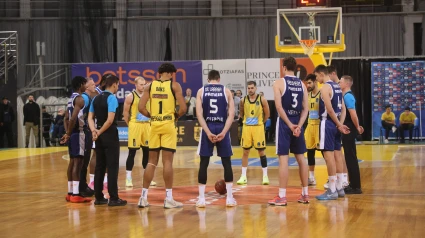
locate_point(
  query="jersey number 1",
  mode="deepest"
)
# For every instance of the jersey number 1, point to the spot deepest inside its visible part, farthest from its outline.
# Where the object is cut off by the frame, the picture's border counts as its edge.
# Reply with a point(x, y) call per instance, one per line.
point(160, 107)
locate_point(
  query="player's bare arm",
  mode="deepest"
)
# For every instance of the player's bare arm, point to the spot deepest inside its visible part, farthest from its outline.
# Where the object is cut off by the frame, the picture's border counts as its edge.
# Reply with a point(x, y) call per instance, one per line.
point(79, 104)
point(144, 100)
point(127, 104)
point(325, 93)
point(355, 120)
point(241, 108)
point(66, 120)
point(200, 116)
point(278, 89)
point(266, 109)
point(304, 112)
point(177, 88)
point(229, 121)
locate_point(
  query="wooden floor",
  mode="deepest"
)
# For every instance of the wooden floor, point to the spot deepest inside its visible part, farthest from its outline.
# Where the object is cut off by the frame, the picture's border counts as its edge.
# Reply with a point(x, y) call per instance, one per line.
point(33, 186)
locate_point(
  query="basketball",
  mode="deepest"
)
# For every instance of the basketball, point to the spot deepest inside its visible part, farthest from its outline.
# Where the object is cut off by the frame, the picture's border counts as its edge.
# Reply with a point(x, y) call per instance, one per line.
point(220, 187)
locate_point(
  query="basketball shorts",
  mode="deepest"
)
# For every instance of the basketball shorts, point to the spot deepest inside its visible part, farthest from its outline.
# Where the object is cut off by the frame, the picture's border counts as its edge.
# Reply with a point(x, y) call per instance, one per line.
point(77, 144)
point(285, 140)
point(163, 137)
point(138, 134)
point(253, 136)
point(330, 137)
point(206, 147)
point(312, 136)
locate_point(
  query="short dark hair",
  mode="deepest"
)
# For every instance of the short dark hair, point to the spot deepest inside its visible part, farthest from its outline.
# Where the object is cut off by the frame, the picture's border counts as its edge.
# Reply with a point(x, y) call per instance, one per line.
point(252, 83)
point(331, 69)
point(290, 63)
point(213, 75)
point(321, 69)
point(31, 95)
point(110, 80)
point(387, 106)
point(77, 82)
point(233, 91)
point(311, 77)
point(167, 68)
point(407, 108)
point(348, 78)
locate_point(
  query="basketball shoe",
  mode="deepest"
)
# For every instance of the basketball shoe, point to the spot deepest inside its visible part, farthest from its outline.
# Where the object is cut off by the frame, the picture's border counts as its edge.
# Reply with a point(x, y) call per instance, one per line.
point(304, 199)
point(328, 195)
point(311, 181)
point(172, 204)
point(278, 201)
point(79, 199)
point(266, 180)
point(201, 203)
point(143, 202)
point(231, 202)
point(242, 180)
point(129, 182)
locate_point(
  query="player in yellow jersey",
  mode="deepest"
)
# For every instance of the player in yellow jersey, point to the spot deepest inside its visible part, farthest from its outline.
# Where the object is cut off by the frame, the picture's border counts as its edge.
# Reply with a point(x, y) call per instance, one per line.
point(255, 111)
point(138, 129)
point(312, 131)
point(162, 95)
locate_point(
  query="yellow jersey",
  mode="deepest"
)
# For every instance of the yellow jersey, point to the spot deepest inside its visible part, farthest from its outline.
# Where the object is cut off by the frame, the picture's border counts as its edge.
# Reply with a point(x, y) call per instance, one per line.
point(253, 111)
point(409, 118)
point(135, 115)
point(388, 117)
point(313, 108)
point(162, 102)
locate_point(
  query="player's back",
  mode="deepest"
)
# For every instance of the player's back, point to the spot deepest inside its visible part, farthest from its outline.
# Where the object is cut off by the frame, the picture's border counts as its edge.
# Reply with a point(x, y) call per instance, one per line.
point(79, 123)
point(214, 103)
point(162, 102)
point(336, 97)
point(292, 97)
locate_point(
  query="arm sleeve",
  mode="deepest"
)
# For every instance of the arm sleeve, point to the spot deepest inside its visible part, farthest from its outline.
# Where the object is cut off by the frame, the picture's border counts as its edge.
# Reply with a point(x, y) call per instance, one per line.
point(112, 103)
point(86, 100)
point(349, 100)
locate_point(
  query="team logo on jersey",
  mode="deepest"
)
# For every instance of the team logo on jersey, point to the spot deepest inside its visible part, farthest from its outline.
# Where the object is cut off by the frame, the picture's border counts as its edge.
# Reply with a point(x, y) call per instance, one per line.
point(146, 142)
point(317, 99)
point(257, 103)
point(197, 132)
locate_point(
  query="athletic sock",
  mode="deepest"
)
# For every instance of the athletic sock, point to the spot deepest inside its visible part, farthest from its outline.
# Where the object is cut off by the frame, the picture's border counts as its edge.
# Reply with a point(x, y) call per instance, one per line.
point(304, 191)
point(201, 191)
point(229, 190)
point(75, 187)
point(244, 171)
point(339, 180)
point(70, 187)
point(282, 192)
point(145, 193)
point(128, 173)
point(332, 183)
point(105, 179)
point(264, 171)
point(91, 178)
point(169, 193)
point(311, 174)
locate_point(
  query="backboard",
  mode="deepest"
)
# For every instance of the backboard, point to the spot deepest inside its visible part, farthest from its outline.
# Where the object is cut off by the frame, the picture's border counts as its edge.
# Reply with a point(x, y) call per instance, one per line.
point(311, 31)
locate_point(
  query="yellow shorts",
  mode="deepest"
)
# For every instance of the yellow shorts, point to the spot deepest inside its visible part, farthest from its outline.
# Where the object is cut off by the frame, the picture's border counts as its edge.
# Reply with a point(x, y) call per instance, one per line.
point(163, 137)
point(312, 136)
point(253, 136)
point(138, 134)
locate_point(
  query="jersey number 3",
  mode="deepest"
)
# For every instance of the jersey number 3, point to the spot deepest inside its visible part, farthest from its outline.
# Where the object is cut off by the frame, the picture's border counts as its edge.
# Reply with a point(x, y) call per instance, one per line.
point(295, 101)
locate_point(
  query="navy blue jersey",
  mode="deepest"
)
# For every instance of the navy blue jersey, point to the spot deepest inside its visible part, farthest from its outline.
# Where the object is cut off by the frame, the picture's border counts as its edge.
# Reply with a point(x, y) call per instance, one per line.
point(79, 123)
point(214, 103)
point(292, 97)
point(336, 101)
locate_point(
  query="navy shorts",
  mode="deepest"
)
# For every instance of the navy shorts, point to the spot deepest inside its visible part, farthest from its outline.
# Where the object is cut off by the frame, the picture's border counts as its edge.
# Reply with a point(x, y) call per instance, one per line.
point(206, 147)
point(77, 144)
point(285, 140)
point(329, 136)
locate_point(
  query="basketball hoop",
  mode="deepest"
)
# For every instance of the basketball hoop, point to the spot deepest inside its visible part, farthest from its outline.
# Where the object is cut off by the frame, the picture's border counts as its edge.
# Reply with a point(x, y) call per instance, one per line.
point(308, 46)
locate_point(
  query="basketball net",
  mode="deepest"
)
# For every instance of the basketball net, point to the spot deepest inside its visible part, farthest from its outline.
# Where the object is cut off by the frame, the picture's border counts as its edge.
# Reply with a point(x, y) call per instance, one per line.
point(308, 46)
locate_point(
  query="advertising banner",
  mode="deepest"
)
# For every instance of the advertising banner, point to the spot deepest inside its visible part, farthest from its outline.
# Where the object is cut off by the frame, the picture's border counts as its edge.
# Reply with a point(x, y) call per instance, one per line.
point(264, 72)
point(232, 73)
point(189, 74)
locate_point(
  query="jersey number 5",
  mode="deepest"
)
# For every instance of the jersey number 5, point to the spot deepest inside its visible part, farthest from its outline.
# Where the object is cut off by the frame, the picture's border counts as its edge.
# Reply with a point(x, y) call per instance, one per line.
point(295, 102)
point(214, 108)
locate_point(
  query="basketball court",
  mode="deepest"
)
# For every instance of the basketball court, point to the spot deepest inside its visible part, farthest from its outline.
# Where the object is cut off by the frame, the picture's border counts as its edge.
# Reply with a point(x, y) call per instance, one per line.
point(392, 203)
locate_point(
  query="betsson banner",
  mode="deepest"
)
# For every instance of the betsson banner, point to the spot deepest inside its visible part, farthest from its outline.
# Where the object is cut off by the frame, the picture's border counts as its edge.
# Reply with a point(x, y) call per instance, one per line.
point(264, 72)
point(232, 73)
point(189, 74)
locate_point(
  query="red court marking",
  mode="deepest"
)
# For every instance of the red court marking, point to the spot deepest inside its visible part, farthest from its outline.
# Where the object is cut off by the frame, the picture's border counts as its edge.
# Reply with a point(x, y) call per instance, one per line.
point(244, 195)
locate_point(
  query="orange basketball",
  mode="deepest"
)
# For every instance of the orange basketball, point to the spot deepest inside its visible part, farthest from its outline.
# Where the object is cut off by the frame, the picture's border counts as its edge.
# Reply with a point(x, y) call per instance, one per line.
point(220, 187)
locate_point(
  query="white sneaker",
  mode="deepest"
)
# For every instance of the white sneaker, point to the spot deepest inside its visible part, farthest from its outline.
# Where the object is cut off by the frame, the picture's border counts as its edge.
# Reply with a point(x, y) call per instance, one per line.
point(231, 202)
point(386, 141)
point(344, 184)
point(326, 185)
point(143, 202)
point(153, 183)
point(172, 203)
point(201, 203)
point(311, 181)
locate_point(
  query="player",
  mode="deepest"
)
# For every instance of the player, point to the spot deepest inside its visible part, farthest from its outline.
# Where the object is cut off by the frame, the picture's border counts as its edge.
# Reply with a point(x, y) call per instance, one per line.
point(215, 111)
point(312, 131)
point(291, 101)
point(255, 111)
point(162, 94)
point(332, 116)
point(77, 107)
point(138, 129)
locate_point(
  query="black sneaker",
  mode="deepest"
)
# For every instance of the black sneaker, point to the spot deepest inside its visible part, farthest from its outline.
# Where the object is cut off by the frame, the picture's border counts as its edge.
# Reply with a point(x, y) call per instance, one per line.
point(350, 190)
point(102, 201)
point(88, 192)
point(118, 202)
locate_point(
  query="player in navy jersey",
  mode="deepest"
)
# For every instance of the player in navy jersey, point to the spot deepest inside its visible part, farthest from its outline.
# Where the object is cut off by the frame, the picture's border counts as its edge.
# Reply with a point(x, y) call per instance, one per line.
point(78, 108)
point(291, 101)
point(215, 111)
point(332, 116)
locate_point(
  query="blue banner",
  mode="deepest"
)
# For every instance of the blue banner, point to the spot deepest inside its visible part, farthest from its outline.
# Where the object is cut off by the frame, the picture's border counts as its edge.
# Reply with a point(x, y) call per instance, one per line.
point(123, 133)
point(400, 85)
point(189, 74)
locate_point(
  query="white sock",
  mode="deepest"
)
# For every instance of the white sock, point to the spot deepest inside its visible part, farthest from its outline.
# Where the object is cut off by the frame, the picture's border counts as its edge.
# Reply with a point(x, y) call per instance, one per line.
point(75, 187)
point(244, 171)
point(304, 191)
point(201, 191)
point(265, 171)
point(311, 174)
point(282, 192)
point(128, 173)
point(105, 179)
point(169, 193)
point(229, 190)
point(91, 178)
point(345, 177)
point(339, 181)
point(70, 187)
point(145, 193)
point(332, 183)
